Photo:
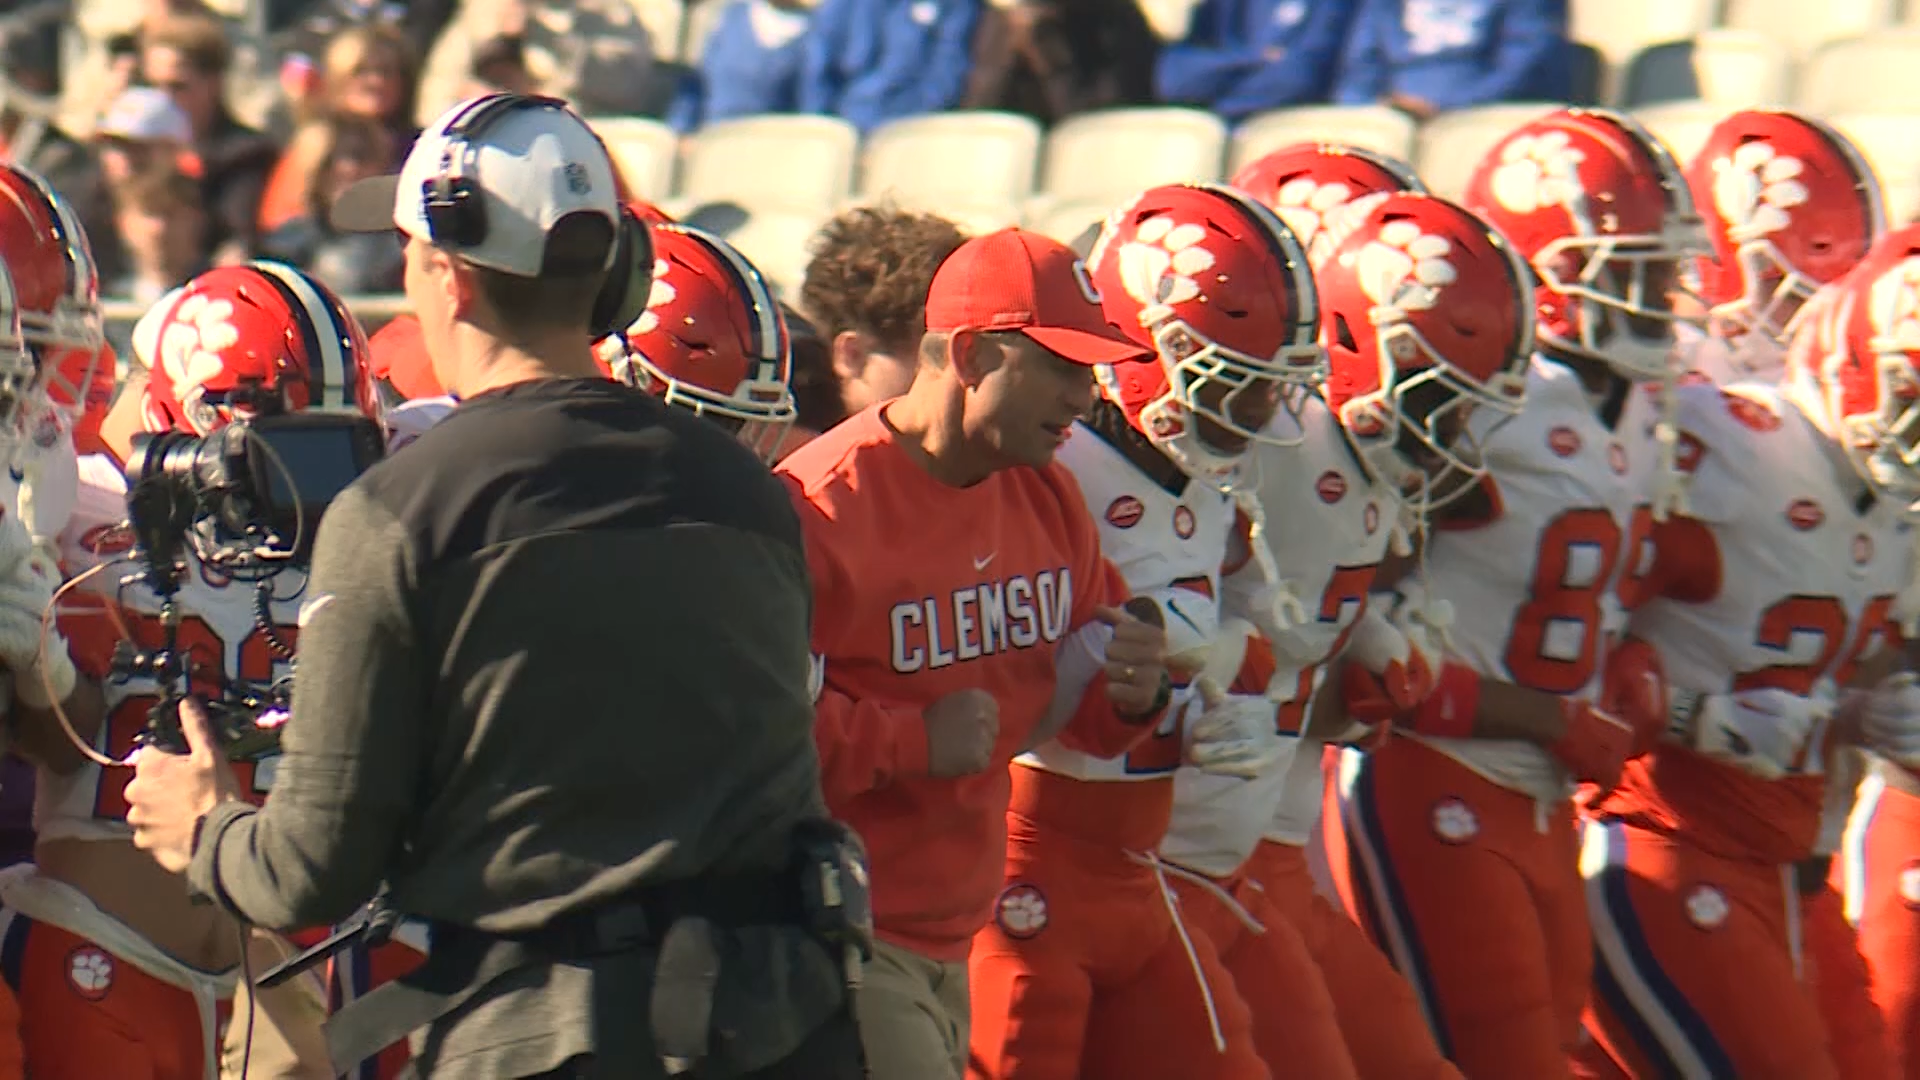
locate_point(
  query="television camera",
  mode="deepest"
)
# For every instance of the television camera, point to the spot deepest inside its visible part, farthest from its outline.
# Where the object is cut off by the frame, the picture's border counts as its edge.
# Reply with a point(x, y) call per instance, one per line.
point(244, 502)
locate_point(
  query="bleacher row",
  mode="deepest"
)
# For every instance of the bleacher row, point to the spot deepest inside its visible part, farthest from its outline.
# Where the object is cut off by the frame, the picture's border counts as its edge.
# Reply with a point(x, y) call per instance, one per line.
point(1678, 65)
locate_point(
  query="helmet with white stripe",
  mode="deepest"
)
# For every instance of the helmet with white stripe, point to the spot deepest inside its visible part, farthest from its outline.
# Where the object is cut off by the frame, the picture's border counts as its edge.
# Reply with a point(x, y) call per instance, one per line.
point(252, 340)
point(712, 339)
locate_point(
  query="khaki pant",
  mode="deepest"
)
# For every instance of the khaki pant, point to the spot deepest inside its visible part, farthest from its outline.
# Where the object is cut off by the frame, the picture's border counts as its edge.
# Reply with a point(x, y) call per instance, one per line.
point(287, 1041)
point(913, 1015)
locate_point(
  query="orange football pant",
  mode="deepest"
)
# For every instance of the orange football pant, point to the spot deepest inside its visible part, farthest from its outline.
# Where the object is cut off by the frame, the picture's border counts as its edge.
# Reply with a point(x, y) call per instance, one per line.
point(1375, 1008)
point(1084, 973)
point(1697, 972)
point(1834, 968)
point(1879, 872)
point(84, 1018)
point(1473, 892)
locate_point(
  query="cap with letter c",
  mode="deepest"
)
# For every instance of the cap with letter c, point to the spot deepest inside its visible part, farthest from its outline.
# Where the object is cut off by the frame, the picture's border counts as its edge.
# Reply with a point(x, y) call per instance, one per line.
point(1020, 281)
point(488, 180)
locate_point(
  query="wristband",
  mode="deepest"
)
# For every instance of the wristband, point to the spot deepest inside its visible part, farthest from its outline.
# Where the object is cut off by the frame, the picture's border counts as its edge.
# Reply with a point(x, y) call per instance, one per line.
point(1451, 706)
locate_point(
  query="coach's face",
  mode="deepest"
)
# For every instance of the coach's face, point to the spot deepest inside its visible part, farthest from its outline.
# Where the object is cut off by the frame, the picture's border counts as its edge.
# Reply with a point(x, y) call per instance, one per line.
point(1025, 397)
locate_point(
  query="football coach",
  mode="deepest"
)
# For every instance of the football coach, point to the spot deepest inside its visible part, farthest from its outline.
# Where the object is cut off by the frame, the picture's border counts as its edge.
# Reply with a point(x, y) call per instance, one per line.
point(552, 685)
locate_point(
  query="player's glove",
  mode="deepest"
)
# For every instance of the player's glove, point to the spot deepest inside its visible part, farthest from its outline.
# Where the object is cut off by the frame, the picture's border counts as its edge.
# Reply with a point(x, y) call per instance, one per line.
point(1890, 720)
point(1633, 690)
point(1595, 744)
point(1386, 673)
point(26, 592)
point(1235, 734)
point(1769, 733)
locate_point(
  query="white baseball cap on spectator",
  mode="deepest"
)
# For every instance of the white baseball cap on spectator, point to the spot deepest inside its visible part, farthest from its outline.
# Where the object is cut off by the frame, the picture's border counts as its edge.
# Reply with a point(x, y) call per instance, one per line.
point(522, 167)
point(143, 114)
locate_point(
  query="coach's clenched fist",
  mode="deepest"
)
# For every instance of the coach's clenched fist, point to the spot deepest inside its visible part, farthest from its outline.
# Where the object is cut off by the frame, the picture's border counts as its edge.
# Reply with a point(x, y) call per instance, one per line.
point(961, 730)
point(1137, 682)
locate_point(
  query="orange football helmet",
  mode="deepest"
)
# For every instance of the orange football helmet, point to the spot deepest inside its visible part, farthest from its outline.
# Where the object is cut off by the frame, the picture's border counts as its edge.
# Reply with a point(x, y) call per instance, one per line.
point(1599, 208)
point(57, 288)
point(1855, 360)
point(252, 340)
point(1428, 314)
point(1321, 190)
point(712, 339)
point(1220, 289)
point(1789, 204)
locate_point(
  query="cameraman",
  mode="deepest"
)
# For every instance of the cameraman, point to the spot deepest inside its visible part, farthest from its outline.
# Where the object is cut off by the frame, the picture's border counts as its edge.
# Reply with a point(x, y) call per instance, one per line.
point(553, 683)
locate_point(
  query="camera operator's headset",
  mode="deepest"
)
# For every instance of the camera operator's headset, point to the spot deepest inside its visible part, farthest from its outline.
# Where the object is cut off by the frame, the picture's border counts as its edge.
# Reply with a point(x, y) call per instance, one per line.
point(456, 210)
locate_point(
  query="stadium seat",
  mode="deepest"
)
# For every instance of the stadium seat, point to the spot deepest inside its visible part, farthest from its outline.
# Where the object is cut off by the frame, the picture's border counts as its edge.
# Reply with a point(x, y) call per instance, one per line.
point(644, 149)
point(1804, 25)
point(799, 164)
point(1682, 125)
point(1621, 28)
point(1451, 145)
point(1107, 157)
point(1862, 74)
point(1374, 127)
point(1587, 73)
point(777, 241)
point(960, 164)
point(1735, 69)
point(1065, 221)
point(1887, 139)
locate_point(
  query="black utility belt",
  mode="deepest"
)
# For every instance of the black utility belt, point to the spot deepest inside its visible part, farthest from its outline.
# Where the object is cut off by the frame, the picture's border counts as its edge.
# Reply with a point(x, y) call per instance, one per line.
point(824, 890)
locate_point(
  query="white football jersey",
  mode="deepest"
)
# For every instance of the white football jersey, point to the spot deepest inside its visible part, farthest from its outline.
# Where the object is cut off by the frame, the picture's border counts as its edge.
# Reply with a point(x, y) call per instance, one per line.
point(1535, 590)
point(1807, 576)
point(1158, 540)
point(217, 624)
point(1327, 524)
point(1749, 358)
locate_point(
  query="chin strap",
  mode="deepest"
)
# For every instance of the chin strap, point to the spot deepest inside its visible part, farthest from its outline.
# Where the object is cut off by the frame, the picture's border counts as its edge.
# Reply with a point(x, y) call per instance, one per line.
point(1284, 606)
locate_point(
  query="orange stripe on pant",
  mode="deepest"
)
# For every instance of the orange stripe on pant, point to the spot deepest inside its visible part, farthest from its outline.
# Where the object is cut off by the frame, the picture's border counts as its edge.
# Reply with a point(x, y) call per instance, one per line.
point(1696, 962)
point(1474, 895)
point(1083, 973)
point(1879, 869)
point(1378, 1017)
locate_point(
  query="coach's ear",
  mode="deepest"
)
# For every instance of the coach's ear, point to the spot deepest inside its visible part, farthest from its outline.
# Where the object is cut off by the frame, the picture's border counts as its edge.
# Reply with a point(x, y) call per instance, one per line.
point(973, 356)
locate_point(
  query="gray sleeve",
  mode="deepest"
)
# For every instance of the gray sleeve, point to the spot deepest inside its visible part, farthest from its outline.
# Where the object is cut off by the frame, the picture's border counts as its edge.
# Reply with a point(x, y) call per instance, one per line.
point(343, 793)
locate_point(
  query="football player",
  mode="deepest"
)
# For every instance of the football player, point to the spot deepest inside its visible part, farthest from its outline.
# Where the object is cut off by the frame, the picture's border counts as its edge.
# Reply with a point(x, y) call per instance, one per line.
point(1457, 856)
point(1768, 599)
point(1789, 205)
point(1088, 968)
point(124, 974)
point(1427, 315)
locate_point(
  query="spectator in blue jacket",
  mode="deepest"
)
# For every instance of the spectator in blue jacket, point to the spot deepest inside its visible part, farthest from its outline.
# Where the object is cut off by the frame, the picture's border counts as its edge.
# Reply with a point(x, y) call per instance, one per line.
point(1426, 57)
point(750, 64)
point(1242, 57)
point(871, 61)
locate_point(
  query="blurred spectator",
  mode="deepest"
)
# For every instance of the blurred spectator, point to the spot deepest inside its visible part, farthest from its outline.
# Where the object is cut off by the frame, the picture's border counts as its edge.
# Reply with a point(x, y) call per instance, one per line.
point(500, 65)
point(866, 292)
point(1426, 57)
point(594, 53)
point(749, 66)
point(1051, 59)
point(31, 137)
point(143, 129)
point(369, 73)
point(327, 155)
point(163, 224)
point(871, 61)
point(1242, 57)
point(187, 56)
point(116, 32)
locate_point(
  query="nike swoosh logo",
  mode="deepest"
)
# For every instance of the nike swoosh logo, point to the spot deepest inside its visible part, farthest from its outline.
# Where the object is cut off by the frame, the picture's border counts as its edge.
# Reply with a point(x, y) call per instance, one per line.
point(1175, 608)
point(308, 609)
point(982, 564)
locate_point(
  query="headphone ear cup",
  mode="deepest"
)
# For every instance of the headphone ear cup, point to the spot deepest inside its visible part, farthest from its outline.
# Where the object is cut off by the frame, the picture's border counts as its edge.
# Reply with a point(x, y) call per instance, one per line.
point(623, 298)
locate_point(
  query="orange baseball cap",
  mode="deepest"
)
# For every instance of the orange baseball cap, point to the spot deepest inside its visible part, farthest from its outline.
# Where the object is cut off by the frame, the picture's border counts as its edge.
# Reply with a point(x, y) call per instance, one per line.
point(1023, 281)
